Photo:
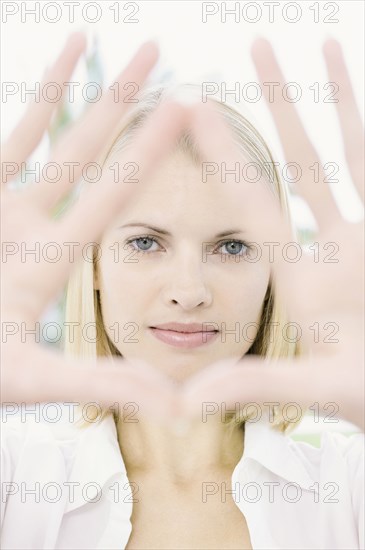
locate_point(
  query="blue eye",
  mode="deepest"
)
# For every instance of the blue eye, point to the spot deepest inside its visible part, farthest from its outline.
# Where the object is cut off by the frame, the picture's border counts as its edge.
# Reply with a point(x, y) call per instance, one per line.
point(240, 248)
point(236, 245)
point(143, 239)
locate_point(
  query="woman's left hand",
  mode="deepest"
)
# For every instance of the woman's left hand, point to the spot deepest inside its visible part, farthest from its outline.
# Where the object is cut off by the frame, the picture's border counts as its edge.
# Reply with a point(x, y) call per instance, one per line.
point(323, 291)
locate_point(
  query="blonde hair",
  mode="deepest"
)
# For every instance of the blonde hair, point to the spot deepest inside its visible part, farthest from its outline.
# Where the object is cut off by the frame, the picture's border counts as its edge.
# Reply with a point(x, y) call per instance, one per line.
point(83, 301)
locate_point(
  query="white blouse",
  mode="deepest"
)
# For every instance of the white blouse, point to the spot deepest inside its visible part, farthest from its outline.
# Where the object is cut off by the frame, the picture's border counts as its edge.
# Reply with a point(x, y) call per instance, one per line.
point(65, 488)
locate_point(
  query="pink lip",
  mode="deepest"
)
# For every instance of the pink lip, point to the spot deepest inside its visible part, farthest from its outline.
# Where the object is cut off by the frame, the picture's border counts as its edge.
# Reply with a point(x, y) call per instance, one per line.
point(183, 339)
point(188, 327)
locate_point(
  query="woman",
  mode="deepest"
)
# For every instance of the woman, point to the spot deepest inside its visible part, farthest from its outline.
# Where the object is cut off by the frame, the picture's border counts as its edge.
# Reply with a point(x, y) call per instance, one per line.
point(189, 473)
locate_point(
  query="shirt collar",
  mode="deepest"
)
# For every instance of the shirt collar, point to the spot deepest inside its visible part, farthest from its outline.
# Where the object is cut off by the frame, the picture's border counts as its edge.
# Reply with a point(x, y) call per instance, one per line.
point(98, 457)
point(276, 451)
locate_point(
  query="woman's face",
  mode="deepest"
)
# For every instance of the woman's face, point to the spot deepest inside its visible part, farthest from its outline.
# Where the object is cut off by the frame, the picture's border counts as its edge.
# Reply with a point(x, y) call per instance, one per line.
point(188, 276)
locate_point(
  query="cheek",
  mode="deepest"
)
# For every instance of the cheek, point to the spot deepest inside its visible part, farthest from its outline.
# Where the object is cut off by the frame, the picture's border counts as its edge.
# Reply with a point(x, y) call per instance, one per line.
point(123, 295)
point(248, 295)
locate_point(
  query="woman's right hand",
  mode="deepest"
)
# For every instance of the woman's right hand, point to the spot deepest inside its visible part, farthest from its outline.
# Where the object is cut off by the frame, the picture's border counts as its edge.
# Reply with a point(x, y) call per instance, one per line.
point(30, 372)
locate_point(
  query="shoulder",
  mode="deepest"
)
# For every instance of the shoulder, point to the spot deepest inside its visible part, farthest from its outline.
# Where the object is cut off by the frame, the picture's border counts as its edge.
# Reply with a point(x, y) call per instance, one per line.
point(337, 465)
point(56, 419)
point(333, 448)
point(34, 431)
point(61, 482)
point(318, 489)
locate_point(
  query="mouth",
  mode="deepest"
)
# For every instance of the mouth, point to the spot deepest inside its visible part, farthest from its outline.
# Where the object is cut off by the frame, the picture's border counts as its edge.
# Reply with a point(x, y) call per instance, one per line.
point(192, 332)
point(184, 339)
point(187, 328)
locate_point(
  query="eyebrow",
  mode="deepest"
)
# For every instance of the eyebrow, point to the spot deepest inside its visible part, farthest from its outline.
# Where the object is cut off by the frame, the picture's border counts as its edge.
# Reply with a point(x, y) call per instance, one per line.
point(168, 234)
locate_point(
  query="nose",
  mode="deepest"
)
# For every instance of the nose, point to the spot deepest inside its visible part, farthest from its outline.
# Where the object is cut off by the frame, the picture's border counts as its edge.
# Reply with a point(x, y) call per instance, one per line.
point(185, 283)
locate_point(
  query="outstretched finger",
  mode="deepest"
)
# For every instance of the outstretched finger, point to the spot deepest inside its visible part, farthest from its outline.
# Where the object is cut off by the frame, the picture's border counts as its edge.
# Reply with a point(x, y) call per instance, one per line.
point(296, 144)
point(84, 141)
point(303, 383)
point(218, 147)
point(52, 377)
point(98, 206)
point(348, 113)
point(29, 131)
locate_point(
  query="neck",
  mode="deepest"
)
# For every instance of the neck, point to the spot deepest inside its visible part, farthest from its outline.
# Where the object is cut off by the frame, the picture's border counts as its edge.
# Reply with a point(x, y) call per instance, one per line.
point(180, 455)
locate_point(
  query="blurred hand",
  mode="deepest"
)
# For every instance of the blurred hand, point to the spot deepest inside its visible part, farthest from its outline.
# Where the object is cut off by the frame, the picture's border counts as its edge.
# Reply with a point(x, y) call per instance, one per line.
point(323, 294)
point(30, 372)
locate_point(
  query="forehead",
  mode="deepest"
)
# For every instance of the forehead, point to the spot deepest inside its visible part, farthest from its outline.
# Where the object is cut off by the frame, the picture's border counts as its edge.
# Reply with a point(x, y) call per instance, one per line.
point(179, 189)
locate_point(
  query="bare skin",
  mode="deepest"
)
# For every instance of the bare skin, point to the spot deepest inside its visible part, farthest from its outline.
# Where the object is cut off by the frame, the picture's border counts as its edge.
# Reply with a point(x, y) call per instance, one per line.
point(329, 375)
point(28, 288)
point(182, 520)
point(26, 219)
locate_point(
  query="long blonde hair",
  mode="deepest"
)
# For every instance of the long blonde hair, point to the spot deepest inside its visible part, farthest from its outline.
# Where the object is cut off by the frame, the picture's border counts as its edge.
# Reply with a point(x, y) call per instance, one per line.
point(83, 301)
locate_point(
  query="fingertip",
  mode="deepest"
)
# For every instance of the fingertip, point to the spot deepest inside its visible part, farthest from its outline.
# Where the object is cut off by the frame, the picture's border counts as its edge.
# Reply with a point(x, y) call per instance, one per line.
point(150, 50)
point(176, 110)
point(331, 48)
point(260, 46)
point(77, 40)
